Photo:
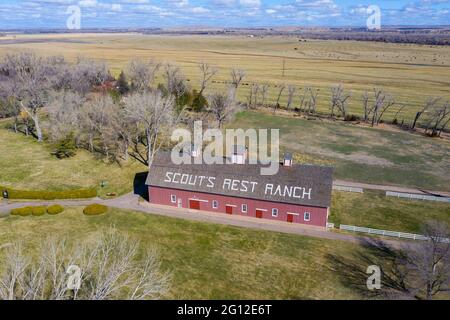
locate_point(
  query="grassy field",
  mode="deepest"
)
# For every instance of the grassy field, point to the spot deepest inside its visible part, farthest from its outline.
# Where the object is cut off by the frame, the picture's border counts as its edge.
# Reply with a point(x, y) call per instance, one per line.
point(375, 210)
point(28, 165)
point(361, 154)
point(409, 72)
point(208, 261)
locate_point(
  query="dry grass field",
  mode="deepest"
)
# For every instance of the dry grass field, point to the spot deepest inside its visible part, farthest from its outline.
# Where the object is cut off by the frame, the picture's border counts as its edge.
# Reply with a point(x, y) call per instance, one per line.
point(409, 72)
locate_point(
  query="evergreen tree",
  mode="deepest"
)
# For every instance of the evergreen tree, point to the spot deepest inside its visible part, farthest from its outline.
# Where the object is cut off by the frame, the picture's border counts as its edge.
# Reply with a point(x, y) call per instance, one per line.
point(122, 84)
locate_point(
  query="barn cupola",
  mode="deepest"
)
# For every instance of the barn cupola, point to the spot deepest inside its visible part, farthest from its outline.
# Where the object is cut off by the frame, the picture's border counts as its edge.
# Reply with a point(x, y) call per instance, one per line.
point(287, 161)
point(239, 154)
point(191, 150)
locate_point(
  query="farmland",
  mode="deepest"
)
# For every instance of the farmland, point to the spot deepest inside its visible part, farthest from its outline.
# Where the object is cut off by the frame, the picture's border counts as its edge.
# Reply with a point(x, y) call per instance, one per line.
point(409, 72)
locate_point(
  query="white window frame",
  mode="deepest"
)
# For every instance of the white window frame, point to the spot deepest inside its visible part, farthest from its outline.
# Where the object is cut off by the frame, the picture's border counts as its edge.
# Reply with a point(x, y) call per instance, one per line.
point(215, 204)
point(275, 212)
point(307, 213)
point(246, 208)
point(173, 198)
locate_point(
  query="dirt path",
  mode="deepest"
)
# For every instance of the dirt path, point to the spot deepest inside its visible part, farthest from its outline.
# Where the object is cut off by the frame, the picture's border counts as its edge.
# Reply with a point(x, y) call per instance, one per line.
point(131, 202)
point(389, 188)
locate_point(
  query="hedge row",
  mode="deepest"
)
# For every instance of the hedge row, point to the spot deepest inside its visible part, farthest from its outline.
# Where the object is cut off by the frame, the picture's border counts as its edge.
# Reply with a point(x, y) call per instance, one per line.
point(50, 195)
point(37, 211)
point(95, 209)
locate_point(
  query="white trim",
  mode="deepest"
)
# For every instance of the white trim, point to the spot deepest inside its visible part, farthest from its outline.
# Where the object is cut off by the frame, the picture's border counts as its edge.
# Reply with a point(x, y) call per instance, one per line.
point(215, 202)
point(309, 215)
point(173, 198)
point(275, 215)
point(230, 205)
point(242, 208)
point(199, 200)
point(293, 213)
point(261, 209)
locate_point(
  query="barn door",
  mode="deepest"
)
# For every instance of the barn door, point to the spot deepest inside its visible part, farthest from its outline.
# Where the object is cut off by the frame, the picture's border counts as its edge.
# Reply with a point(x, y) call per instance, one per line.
point(194, 204)
point(229, 209)
point(259, 214)
point(290, 218)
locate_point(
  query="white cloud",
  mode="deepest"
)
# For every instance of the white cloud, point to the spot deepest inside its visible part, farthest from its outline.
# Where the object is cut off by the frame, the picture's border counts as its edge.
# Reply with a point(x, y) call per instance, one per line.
point(250, 3)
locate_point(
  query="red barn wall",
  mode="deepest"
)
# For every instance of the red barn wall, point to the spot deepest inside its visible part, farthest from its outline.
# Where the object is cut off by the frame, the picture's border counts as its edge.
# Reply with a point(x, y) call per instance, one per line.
point(318, 215)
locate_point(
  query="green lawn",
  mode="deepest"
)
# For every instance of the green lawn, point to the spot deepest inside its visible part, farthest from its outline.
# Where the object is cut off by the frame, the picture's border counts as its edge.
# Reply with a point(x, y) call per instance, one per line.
point(361, 154)
point(208, 261)
point(28, 165)
point(375, 210)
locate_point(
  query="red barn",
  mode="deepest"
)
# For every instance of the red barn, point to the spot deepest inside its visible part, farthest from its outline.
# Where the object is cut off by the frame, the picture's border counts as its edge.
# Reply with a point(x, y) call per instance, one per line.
point(296, 194)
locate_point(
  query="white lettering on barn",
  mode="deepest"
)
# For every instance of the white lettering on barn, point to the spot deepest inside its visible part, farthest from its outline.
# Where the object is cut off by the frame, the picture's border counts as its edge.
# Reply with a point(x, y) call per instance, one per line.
point(237, 185)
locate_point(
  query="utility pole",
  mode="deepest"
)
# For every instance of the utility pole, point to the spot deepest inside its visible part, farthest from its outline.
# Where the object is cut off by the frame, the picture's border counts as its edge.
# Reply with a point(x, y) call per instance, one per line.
point(284, 67)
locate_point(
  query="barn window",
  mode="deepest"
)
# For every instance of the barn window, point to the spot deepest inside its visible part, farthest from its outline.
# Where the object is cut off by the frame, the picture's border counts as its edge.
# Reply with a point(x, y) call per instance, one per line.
point(307, 216)
point(215, 204)
point(173, 198)
point(244, 208)
point(274, 212)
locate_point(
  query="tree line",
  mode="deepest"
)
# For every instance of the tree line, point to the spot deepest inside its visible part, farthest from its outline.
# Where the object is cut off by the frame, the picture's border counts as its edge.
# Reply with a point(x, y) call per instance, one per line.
point(374, 105)
point(82, 105)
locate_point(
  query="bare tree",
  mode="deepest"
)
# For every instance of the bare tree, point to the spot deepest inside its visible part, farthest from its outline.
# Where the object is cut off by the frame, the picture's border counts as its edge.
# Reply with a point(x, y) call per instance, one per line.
point(280, 93)
point(290, 96)
point(221, 106)
point(206, 74)
point(237, 75)
point(430, 103)
point(26, 78)
point(153, 114)
point(339, 100)
point(254, 92)
point(64, 114)
point(103, 120)
point(438, 119)
point(111, 268)
point(383, 102)
point(85, 75)
point(312, 99)
point(366, 107)
point(142, 73)
point(175, 80)
point(411, 270)
point(428, 263)
point(264, 92)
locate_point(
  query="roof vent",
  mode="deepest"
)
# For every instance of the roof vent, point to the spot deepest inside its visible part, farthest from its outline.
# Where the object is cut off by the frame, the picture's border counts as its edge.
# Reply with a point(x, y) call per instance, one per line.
point(287, 161)
point(190, 149)
point(239, 154)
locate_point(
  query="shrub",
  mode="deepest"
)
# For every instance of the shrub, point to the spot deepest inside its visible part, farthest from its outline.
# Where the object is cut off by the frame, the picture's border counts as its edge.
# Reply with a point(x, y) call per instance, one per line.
point(55, 209)
point(50, 195)
point(95, 209)
point(25, 211)
point(199, 102)
point(351, 117)
point(38, 211)
point(65, 148)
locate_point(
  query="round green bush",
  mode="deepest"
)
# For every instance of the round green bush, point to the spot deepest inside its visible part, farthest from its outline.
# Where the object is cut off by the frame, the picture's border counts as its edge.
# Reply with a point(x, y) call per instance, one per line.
point(95, 209)
point(39, 211)
point(23, 212)
point(55, 209)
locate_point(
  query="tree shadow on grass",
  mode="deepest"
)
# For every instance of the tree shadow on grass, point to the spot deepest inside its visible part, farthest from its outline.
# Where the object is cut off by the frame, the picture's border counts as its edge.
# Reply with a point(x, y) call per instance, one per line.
point(139, 186)
point(351, 270)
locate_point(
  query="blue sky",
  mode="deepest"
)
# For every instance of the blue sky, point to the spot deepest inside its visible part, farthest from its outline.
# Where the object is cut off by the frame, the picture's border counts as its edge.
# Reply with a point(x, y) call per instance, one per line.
point(227, 13)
